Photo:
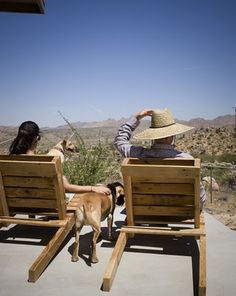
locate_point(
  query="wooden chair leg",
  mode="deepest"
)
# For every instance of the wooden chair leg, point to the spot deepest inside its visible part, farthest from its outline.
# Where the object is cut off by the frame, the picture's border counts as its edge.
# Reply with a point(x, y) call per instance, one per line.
point(49, 251)
point(202, 265)
point(114, 261)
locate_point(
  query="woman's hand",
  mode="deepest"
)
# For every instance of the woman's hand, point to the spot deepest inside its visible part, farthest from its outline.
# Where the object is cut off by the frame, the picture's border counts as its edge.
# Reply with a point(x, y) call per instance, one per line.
point(144, 113)
point(101, 189)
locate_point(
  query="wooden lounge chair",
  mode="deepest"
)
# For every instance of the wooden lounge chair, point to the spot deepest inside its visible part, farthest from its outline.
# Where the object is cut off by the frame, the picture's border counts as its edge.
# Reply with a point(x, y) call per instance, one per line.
point(31, 186)
point(161, 192)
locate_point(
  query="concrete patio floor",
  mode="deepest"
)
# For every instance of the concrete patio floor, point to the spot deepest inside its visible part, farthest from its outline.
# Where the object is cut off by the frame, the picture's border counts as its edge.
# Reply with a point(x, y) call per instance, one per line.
point(162, 269)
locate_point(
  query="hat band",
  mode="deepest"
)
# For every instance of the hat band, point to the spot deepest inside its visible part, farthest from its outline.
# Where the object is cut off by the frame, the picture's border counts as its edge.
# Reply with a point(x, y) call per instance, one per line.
point(162, 125)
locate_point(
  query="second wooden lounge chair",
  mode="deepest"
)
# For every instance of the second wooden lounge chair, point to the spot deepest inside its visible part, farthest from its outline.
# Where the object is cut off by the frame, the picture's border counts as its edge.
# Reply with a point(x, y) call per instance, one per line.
point(161, 192)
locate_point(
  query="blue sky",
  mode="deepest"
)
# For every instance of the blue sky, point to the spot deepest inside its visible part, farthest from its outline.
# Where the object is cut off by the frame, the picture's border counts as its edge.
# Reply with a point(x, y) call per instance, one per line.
point(100, 59)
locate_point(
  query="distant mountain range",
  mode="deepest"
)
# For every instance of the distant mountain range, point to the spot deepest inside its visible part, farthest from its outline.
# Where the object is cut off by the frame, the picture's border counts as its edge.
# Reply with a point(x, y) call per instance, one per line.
point(210, 137)
point(220, 121)
point(94, 124)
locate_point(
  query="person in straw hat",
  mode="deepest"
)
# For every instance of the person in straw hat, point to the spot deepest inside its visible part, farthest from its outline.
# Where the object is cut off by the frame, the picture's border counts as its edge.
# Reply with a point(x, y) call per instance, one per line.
point(162, 133)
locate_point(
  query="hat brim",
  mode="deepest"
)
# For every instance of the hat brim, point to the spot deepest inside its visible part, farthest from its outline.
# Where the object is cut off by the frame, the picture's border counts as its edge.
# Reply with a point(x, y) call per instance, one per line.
point(163, 132)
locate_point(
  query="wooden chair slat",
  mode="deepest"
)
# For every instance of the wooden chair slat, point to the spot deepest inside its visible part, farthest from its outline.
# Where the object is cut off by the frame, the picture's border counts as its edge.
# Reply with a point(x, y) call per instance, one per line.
point(32, 203)
point(36, 182)
point(28, 169)
point(159, 161)
point(163, 211)
point(159, 188)
point(154, 171)
point(43, 193)
point(150, 220)
point(163, 180)
point(163, 199)
point(27, 158)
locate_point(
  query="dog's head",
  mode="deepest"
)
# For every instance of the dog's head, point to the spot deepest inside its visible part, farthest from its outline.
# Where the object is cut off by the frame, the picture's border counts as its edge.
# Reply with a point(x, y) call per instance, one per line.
point(67, 145)
point(117, 191)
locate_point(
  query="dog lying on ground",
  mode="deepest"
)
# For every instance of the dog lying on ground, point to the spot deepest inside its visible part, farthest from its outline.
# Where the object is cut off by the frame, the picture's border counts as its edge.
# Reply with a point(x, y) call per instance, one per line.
point(60, 148)
point(92, 209)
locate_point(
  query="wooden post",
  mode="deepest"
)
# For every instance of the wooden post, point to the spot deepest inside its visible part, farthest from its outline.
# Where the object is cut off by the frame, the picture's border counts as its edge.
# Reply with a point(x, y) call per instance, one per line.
point(211, 183)
point(114, 262)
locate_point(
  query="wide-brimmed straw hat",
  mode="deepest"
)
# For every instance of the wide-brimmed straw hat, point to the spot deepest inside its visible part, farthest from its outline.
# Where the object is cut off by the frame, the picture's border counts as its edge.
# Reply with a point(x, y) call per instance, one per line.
point(163, 125)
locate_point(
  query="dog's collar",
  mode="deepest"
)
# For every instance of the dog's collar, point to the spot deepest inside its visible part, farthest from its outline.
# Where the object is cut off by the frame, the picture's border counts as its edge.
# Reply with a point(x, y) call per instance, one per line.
point(59, 149)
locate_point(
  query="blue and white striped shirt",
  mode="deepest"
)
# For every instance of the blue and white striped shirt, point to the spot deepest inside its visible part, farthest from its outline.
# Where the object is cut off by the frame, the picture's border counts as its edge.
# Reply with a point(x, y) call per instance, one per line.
point(156, 151)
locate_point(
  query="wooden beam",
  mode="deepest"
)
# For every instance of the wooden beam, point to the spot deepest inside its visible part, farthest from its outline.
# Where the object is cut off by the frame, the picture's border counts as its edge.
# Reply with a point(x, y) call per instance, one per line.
point(202, 260)
point(50, 250)
point(33, 222)
point(161, 231)
point(23, 6)
point(3, 202)
point(114, 262)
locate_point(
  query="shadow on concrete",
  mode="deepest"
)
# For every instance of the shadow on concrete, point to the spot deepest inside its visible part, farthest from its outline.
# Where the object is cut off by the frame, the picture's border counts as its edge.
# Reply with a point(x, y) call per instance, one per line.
point(164, 245)
point(31, 235)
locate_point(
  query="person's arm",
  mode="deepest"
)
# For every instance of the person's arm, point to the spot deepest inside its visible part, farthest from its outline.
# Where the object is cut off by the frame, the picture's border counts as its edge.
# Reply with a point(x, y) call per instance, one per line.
point(72, 188)
point(202, 195)
point(124, 134)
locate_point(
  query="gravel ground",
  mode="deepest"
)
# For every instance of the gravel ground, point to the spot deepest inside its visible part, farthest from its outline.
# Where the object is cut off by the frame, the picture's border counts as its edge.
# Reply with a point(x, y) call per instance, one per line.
point(222, 206)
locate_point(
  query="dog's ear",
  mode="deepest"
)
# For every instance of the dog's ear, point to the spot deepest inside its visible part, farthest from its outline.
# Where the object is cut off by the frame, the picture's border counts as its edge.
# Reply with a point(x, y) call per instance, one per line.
point(112, 188)
point(117, 190)
point(70, 146)
point(116, 184)
point(120, 200)
point(121, 194)
point(63, 143)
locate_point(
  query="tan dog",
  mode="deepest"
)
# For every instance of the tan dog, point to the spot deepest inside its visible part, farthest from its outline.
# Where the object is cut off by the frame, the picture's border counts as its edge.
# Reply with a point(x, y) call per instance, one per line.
point(94, 208)
point(60, 148)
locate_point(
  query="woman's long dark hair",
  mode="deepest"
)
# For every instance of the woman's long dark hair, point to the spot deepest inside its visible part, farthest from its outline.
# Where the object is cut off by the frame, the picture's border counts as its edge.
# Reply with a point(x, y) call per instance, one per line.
point(28, 131)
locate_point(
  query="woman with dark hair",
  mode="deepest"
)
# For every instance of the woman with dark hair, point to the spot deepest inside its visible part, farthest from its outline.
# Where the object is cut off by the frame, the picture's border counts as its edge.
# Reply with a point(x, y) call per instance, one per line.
point(26, 140)
point(26, 143)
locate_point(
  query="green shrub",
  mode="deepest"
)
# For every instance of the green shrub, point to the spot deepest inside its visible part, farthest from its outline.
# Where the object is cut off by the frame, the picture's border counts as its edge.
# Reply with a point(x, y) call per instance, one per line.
point(91, 165)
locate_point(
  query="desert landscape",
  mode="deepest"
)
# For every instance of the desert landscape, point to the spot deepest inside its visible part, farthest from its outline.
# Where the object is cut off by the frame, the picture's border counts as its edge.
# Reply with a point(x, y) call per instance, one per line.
point(213, 141)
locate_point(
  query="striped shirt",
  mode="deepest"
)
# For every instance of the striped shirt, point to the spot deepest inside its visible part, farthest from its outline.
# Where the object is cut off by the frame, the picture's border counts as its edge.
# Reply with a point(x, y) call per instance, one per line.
point(156, 151)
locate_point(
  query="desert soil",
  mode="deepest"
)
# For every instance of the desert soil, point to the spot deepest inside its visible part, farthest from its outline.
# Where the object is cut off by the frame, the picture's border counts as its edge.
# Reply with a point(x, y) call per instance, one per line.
point(222, 206)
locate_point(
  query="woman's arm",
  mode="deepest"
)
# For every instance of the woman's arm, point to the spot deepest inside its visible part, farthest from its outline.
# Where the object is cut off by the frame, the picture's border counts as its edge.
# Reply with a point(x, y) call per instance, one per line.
point(72, 188)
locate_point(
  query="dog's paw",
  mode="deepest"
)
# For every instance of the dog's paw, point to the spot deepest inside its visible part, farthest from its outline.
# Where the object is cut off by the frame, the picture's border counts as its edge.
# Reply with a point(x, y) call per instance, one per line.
point(94, 260)
point(74, 259)
point(111, 238)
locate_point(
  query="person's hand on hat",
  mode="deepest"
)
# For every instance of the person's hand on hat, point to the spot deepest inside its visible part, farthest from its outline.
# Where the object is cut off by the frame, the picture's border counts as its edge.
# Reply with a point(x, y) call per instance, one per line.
point(144, 113)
